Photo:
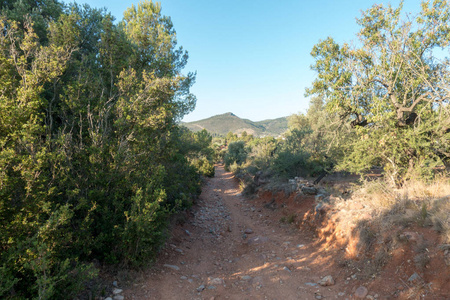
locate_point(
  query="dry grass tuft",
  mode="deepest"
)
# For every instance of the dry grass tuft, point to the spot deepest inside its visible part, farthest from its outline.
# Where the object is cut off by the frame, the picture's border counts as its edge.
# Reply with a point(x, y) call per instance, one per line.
point(417, 202)
point(376, 220)
point(288, 219)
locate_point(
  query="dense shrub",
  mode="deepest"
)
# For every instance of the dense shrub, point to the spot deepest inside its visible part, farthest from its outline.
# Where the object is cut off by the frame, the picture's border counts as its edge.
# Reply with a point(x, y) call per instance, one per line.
point(288, 164)
point(92, 162)
point(236, 154)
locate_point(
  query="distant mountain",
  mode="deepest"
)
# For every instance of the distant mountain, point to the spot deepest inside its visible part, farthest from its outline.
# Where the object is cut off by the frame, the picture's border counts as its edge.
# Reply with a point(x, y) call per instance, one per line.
point(222, 124)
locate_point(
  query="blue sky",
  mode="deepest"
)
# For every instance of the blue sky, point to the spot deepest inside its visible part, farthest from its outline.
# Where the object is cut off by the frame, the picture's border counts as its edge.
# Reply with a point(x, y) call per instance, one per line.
point(252, 57)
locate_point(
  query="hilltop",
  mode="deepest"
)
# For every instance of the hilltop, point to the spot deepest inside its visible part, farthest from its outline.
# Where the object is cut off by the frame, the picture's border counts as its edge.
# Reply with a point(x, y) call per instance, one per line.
point(224, 123)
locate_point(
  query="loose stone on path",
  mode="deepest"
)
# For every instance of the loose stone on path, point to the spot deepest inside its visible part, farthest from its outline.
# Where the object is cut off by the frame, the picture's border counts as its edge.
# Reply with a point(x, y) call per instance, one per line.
point(173, 267)
point(311, 284)
point(215, 281)
point(361, 292)
point(326, 281)
point(201, 288)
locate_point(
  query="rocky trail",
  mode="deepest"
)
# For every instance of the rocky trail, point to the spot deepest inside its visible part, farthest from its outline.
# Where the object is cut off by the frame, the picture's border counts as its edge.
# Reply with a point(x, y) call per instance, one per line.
point(234, 248)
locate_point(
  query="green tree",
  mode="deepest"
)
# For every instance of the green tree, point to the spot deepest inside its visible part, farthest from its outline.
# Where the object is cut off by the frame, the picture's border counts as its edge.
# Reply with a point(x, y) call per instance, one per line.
point(391, 87)
point(319, 133)
point(91, 157)
point(155, 43)
point(262, 151)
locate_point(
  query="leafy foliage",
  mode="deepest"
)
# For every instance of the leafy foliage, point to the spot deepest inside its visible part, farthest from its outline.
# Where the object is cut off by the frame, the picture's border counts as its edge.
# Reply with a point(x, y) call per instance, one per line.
point(392, 88)
point(237, 154)
point(92, 162)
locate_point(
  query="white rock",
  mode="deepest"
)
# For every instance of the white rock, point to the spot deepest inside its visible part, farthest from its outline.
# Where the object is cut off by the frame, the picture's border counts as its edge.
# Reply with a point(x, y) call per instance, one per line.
point(326, 281)
point(117, 291)
point(173, 267)
point(216, 281)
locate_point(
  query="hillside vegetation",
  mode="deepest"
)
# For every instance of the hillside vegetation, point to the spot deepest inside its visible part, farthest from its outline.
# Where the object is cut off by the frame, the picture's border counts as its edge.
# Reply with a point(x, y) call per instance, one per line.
point(229, 122)
point(378, 107)
point(92, 162)
point(383, 103)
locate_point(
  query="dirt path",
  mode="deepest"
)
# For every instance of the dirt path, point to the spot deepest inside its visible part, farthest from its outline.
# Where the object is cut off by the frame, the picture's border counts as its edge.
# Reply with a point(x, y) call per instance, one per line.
point(234, 248)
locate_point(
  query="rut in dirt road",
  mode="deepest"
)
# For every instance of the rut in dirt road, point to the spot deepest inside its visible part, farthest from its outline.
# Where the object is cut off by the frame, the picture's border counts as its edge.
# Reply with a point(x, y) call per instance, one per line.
point(234, 248)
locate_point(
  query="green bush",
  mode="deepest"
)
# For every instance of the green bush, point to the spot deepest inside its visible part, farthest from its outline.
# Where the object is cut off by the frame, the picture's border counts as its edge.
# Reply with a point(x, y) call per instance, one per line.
point(236, 154)
point(92, 161)
point(289, 165)
point(204, 166)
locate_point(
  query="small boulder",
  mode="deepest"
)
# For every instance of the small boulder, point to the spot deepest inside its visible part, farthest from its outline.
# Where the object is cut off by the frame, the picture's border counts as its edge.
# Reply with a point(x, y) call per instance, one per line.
point(309, 190)
point(173, 267)
point(215, 281)
point(361, 292)
point(287, 269)
point(326, 281)
point(414, 278)
point(248, 231)
point(322, 191)
point(117, 291)
point(201, 288)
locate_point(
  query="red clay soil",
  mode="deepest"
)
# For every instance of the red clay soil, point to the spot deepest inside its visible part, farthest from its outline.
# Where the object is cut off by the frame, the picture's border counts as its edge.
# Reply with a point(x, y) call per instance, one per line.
point(272, 247)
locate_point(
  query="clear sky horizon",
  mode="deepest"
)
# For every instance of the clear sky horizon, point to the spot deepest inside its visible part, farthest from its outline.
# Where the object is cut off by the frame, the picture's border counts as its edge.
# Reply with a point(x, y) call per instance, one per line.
point(252, 57)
